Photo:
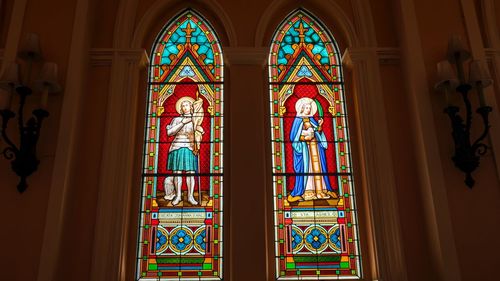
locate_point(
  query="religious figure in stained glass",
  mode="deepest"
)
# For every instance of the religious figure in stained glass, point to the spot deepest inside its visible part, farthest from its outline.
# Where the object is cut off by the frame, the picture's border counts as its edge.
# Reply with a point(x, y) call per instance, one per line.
point(316, 235)
point(181, 218)
point(184, 150)
point(309, 160)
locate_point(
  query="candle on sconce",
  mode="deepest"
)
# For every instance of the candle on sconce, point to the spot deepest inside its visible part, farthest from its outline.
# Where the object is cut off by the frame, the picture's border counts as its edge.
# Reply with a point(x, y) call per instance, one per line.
point(30, 47)
point(44, 99)
point(456, 50)
point(447, 79)
point(8, 82)
point(10, 77)
point(49, 72)
point(455, 44)
point(479, 78)
point(482, 101)
point(458, 54)
point(47, 83)
point(5, 98)
point(445, 71)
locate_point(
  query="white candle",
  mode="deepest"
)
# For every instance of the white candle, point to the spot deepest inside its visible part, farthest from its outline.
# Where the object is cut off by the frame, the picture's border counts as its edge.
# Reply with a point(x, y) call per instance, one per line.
point(455, 44)
point(475, 78)
point(47, 83)
point(479, 78)
point(30, 47)
point(447, 79)
point(456, 51)
point(475, 72)
point(480, 93)
point(49, 73)
point(44, 98)
point(10, 77)
point(445, 71)
point(8, 82)
point(5, 97)
point(482, 100)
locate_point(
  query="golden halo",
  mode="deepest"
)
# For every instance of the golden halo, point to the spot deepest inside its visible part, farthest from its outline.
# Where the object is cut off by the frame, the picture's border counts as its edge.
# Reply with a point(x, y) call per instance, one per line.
point(179, 102)
point(303, 101)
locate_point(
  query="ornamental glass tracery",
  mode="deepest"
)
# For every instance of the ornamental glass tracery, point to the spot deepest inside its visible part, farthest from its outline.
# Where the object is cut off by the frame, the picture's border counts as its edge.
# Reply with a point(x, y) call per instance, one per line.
point(180, 235)
point(315, 224)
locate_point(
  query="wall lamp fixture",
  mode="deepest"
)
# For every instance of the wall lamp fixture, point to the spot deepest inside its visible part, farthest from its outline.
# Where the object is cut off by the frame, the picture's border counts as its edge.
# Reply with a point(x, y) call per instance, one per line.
point(467, 152)
point(24, 161)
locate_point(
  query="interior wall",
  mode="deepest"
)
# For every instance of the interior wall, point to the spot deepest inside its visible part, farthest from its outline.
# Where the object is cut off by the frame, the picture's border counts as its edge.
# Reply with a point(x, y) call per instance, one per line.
point(103, 26)
point(401, 141)
point(23, 215)
point(81, 211)
point(384, 21)
point(5, 12)
point(479, 12)
point(497, 9)
point(474, 213)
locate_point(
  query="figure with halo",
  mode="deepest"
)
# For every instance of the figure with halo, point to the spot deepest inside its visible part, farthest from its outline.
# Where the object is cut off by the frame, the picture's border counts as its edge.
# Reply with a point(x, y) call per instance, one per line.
point(184, 150)
point(309, 158)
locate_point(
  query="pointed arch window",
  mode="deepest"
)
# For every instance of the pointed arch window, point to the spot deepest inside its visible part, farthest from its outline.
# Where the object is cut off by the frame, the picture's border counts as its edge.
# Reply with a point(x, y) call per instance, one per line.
point(181, 216)
point(315, 224)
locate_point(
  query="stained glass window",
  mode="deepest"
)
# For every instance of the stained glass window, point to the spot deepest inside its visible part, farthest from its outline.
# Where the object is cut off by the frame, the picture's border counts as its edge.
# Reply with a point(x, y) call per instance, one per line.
point(315, 225)
point(181, 224)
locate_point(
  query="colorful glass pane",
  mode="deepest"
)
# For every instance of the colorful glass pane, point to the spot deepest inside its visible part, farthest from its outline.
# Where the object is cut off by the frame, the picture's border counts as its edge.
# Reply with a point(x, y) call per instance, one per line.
point(181, 223)
point(315, 224)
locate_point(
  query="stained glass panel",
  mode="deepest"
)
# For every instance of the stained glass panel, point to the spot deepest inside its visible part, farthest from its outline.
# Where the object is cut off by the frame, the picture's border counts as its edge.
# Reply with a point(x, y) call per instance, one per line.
point(315, 226)
point(181, 218)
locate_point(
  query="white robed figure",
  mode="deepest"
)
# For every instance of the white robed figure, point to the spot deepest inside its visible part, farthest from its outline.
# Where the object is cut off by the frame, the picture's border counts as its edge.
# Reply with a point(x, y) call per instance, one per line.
point(183, 155)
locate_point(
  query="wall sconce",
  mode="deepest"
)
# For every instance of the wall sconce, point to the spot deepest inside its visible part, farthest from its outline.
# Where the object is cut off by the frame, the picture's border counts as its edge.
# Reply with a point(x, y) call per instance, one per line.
point(467, 153)
point(24, 161)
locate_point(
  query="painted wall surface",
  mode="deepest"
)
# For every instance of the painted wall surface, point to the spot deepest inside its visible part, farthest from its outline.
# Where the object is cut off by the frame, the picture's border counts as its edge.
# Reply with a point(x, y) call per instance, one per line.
point(5, 12)
point(497, 9)
point(476, 210)
point(474, 213)
point(23, 215)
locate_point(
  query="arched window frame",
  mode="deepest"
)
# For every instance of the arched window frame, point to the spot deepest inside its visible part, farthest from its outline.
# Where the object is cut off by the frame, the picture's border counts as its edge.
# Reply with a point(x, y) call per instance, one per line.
point(383, 256)
point(180, 237)
point(305, 66)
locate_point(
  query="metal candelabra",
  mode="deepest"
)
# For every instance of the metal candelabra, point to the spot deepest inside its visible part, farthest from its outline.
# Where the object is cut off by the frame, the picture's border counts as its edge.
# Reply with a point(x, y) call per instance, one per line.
point(467, 150)
point(23, 157)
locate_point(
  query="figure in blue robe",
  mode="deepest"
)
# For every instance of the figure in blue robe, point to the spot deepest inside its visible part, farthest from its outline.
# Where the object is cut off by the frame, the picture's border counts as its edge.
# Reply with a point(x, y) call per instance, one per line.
point(309, 159)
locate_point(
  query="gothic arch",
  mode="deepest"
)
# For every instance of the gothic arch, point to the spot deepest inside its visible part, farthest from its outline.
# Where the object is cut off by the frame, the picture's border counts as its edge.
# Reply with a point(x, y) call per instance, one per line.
point(376, 180)
point(311, 155)
point(128, 35)
point(348, 32)
point(161, 11)
point(185, 84)
point(126, 98)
